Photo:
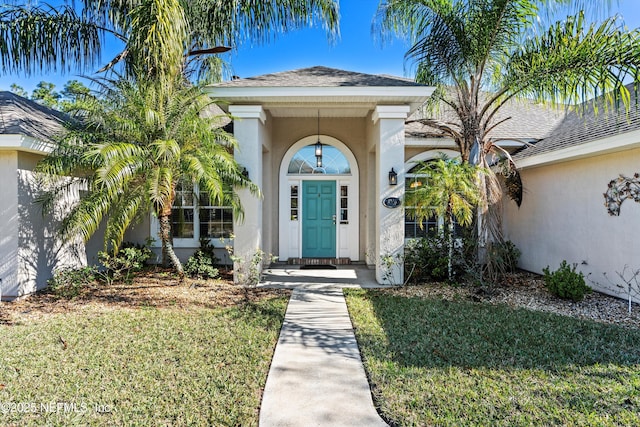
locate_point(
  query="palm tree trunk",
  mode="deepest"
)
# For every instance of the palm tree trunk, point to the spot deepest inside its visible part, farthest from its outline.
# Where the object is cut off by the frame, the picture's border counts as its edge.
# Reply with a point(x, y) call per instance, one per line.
point(168, 254)
point(450, 240)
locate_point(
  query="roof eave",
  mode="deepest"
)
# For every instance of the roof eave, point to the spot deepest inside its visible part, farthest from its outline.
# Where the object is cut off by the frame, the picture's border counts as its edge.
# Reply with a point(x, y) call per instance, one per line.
point(414, 96)
point(611, 144)
point(24, 143)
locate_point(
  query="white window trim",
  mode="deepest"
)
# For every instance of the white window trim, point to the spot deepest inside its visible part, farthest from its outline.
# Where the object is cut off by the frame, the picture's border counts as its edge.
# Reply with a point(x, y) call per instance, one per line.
point(193, 242)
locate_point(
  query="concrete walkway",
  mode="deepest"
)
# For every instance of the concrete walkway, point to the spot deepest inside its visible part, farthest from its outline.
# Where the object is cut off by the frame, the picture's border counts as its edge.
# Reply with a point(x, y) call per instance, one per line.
point(316, 376)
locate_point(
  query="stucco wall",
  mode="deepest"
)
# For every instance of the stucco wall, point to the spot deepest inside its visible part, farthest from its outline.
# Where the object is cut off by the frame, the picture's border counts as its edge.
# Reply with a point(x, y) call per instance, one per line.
point(563, 217)
point(9, 223)
point(369, 177)
point(31, 248)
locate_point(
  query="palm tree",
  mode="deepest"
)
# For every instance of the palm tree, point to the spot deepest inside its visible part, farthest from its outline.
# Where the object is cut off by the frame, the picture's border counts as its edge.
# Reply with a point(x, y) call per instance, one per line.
point(144, 135)
point(135, 144)
point(156, 34)
point(480, 54)
point(451, 193)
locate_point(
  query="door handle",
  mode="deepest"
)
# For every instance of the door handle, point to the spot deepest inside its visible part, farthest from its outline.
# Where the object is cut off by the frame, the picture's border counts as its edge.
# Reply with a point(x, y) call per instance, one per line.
point(334, 219)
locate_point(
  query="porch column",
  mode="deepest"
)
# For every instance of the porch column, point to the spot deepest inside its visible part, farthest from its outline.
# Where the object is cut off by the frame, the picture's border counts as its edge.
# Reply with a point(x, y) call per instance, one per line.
point(389, 221)
point(248, 129)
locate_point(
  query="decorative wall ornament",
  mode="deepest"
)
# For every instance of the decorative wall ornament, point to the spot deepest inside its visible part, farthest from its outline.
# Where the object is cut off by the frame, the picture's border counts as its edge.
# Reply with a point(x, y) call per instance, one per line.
point(512, 180)
point(621, 189)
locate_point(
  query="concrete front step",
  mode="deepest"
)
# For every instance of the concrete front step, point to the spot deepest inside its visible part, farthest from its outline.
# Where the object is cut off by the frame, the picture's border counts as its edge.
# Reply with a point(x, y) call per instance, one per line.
point(319, 261)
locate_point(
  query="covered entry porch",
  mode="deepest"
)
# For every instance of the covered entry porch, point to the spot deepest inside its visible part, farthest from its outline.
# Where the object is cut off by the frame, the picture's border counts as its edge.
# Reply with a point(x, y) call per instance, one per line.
point(328, 208)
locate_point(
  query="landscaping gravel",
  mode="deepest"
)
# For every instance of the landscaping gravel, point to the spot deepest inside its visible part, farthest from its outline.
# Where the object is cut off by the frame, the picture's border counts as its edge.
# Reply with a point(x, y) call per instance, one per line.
point(526, 290)
point(529, 292)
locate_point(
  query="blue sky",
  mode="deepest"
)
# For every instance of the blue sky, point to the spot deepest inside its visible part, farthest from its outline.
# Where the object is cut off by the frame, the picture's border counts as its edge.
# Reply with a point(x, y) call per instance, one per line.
point(356, 50)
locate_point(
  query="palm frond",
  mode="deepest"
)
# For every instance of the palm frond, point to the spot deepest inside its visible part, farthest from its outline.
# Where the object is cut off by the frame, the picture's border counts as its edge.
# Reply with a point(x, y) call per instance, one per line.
point(160, 187)
point(574, 62)
point(450, 187)
point(158, 38)
point(131, 204)
point(85, 217)
point(43, 38)
point(231, 22)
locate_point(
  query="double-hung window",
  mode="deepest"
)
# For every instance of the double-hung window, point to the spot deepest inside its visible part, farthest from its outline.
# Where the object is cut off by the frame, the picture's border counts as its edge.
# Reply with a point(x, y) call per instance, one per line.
point(194, 216)
point(413, 228)
point(430, 227)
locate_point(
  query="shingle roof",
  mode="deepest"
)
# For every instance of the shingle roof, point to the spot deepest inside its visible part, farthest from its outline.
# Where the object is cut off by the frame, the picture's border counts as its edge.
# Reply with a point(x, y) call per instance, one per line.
point(588, 125)
point(552, 128)
point(19, 115)
point(527, 121)
point(319, 77)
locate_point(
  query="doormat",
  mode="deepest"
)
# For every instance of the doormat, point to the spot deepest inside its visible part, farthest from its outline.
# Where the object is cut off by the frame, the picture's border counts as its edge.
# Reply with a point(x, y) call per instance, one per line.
point(318, 267)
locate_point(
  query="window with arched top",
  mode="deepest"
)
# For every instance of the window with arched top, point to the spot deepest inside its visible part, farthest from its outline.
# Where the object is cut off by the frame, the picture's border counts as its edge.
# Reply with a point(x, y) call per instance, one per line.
point(333, 162)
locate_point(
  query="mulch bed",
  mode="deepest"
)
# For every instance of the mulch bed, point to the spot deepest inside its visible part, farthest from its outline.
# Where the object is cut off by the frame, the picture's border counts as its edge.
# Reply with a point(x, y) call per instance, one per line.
point(156, 287)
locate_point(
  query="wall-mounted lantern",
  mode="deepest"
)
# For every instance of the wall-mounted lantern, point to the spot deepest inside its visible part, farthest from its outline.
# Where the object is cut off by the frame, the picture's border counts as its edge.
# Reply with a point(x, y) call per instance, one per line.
point(393, 177)
point(245, 172)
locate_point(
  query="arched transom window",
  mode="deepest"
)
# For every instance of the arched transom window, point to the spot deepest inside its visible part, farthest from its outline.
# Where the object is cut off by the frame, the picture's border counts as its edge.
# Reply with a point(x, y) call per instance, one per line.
point(333, 162)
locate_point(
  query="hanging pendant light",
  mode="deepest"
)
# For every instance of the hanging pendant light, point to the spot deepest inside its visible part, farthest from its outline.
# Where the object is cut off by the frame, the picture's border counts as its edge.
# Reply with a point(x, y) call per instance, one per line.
point(318, 146)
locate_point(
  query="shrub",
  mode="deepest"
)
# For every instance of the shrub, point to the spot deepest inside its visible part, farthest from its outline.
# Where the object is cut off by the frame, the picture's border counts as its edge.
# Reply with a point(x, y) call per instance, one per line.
point(129, 259)
point(506, 255)
point(201, 264)
point(565, 282)
point(427, 259)
point(68, 282)
point(141, 253)
point(502, 258)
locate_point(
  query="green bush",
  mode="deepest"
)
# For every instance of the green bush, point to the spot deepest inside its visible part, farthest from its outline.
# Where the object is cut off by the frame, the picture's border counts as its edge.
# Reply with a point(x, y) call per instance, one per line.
point(506, 254)
point(129, 259)
point(68, 282)
point(565, 282)
point(201, 264)
point(426, 259)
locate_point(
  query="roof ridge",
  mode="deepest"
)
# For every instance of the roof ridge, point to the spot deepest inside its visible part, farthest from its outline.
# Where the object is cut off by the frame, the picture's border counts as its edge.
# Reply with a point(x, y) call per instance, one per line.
point(320, 76)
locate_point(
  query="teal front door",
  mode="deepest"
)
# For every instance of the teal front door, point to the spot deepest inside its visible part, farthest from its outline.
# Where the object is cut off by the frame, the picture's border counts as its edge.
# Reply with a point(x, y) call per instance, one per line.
point(318, 219)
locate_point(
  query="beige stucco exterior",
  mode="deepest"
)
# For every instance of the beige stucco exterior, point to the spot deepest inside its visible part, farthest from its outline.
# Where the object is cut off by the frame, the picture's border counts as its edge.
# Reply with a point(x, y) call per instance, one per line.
point(563, 217)
point(30, 249)
point(363, 116)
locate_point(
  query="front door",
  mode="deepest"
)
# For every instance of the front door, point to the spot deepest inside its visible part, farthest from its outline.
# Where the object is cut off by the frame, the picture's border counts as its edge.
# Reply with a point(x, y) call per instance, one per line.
point(318, 219)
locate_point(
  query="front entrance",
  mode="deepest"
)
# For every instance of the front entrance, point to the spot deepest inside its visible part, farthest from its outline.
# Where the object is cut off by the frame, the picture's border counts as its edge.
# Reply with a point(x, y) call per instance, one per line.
point(307, 228)
point(318, 219)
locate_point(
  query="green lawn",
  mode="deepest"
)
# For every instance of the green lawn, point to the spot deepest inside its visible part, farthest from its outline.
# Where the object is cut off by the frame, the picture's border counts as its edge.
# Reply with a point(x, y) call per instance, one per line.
point(186, 365)
point(446, 363)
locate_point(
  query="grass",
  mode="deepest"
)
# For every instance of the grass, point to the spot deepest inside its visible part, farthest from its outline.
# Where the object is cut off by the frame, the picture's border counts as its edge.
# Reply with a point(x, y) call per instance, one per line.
point(438, 362)
point(154, 357)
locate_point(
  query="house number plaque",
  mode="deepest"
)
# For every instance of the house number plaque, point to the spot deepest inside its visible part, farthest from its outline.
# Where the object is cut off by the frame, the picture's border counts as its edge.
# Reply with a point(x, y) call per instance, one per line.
point(391, 202)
